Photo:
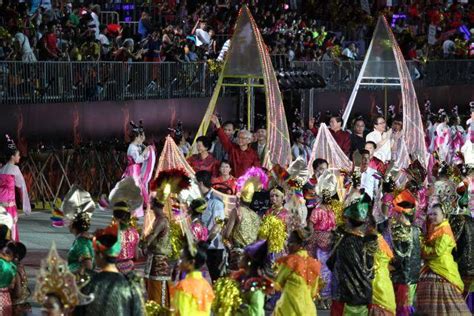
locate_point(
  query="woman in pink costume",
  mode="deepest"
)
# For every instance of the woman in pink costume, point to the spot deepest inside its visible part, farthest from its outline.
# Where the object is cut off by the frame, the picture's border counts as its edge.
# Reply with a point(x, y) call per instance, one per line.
point(12, 184)
point(323, 220)
point(140, 163)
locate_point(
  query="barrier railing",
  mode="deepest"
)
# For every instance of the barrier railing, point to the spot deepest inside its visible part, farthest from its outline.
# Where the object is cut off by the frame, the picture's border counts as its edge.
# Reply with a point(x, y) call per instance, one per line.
point(45, 82)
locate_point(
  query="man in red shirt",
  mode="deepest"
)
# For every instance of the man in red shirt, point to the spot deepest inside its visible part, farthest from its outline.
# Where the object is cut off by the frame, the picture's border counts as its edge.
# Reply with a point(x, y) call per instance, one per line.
point(342, 138)
point(241, 155)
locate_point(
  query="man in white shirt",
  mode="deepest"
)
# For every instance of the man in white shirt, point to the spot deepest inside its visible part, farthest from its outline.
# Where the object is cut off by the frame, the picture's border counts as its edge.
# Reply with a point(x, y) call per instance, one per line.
point(381, 138)
point(202, 36)
point(350, 52)
point(448, 48)
point(23, 44)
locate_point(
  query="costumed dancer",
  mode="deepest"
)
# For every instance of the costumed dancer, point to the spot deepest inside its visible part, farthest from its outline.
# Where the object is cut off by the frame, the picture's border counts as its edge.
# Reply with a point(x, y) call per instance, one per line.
point(114, 293)
point(352, 261)
point(323, 221)
point(157, 244)
point(8, 271)
point(440, 288)
point(253, 278)
point(462, 225)
point(443, 136)
point(56, 290)
point(404, 236)
point(78, 207)
point(468, 147)
point(277, 200)
point(383, 295)
point(297, 278)
point(13, 186)
point(20, 292)
point(457, 134)
point(140, 163)
point(124, 198)
point(243, 225)
point(193, 295)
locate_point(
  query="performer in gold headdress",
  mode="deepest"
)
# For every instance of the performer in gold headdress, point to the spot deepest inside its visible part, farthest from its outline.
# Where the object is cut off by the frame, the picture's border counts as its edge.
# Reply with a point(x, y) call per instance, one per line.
point(56, 288)
point(157, 243)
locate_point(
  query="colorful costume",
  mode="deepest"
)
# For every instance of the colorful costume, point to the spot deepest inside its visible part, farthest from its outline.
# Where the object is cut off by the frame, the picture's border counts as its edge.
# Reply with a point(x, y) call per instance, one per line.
point(383, 295)
point(79, 206)
point(462, 225)
point(130, 238)
point(440, 287)
point(405, 242)
point(193, 295)
point(11, 179)
point(140, 167)
point(80, 250)
point(298, 277)
point(157, 271)
point(114, 293)
point(8, 271)
point(55, 279)
point(352, 264)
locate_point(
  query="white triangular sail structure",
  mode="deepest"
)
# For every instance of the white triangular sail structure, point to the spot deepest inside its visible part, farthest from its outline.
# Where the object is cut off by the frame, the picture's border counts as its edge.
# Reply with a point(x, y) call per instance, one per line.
point(385, 66)
point(326, 147)
point(247, 64)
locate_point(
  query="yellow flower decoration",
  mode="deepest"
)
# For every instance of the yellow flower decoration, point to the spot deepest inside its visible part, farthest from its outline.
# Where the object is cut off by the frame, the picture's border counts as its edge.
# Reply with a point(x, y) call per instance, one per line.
point(338, 208)
point(227, 299)
point(273, 230)
point(152, 308)
point(176, 240)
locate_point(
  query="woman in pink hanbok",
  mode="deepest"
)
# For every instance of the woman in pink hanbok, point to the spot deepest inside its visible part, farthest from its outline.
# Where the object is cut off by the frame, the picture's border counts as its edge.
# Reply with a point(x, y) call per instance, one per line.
point(140, 163)
point(13, 186)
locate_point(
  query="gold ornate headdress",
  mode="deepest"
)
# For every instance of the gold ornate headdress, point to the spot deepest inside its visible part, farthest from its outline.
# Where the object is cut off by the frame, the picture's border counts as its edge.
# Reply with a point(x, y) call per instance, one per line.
point(55, 279)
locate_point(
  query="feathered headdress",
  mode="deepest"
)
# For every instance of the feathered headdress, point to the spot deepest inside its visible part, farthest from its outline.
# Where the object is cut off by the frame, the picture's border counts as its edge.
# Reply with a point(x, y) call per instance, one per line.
point(137, 129)
point(253, 180)
point(55, 279)
point(171, 181)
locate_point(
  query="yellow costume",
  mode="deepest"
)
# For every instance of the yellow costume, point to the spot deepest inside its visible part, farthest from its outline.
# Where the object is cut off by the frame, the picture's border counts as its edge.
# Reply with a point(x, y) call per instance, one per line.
point(383, 294)
point(193, 296)
point(437, 251)
point(298, 276)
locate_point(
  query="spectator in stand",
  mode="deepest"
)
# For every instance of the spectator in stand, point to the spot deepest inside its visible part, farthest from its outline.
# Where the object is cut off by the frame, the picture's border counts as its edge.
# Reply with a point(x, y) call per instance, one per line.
point(358, 135)
point(202, 36)
point(104, 42)
point(203, 160)
point(94, 24)
point(241, 155)
point(342, 138)
point(144, 25)
point(48, 49)
point(153, 46)
point(190, 55)
point(22, 46)
point(448, 48)
point(350, 52)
